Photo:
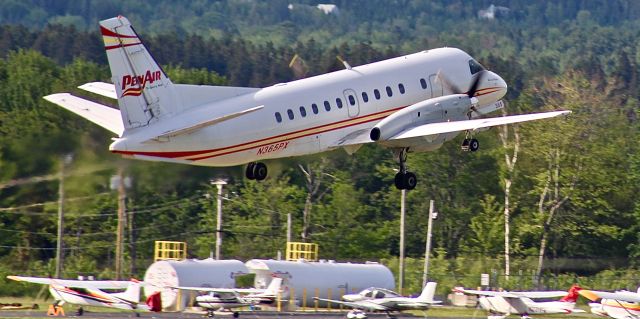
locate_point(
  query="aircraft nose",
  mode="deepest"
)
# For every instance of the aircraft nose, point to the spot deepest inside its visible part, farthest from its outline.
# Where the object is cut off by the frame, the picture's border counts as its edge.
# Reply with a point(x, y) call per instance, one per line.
point(492, 88)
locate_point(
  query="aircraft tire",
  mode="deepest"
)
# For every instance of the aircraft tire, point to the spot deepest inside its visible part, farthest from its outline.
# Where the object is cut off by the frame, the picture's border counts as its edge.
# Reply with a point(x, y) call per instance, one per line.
point(399, 181)
point(409, 180)
point(249, 172)
point(260, 171)
point(474, 145)
point(236, 314)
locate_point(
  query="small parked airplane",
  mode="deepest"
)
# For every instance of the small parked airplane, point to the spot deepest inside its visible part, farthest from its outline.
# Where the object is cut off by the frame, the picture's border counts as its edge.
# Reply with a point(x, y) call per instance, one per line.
point(378, 299)
point(91, 293)
point(501, 304)
point(621, 304)
point(228, 298)
point(412, 103)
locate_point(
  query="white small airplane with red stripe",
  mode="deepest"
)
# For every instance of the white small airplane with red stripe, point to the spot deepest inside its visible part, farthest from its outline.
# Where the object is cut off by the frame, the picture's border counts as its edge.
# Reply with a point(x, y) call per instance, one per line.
point(92, 293)
point(412, 103)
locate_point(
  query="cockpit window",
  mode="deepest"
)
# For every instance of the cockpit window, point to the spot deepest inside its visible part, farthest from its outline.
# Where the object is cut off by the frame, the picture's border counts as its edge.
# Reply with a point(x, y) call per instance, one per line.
point(475, 67)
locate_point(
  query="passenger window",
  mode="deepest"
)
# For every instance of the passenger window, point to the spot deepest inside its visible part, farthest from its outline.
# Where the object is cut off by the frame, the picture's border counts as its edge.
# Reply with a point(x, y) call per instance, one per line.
point(339, 102)
point(303, 111)
point(290, 113)
point(352, 100)
point(377, 94)
point(389, 92)
point(365, 97)
point(314, 108)
point(327, 106)
point(278, 117)
point(423, 83)
point(401, 88)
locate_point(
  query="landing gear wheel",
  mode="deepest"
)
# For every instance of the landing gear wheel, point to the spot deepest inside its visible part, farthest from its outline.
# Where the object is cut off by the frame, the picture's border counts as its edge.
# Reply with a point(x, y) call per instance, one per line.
point(474, 145)
point(79, 312)
point(410, 180)
point(465, 145)
point(210, 314)
point(137, 314)
point(249, 171)
point(260, 171)
point(236, 314)
point(399, 180)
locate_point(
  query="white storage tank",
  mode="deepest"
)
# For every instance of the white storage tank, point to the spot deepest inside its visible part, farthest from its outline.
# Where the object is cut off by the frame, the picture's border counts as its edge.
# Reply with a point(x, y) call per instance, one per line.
point(324, 279)
point(189, 272)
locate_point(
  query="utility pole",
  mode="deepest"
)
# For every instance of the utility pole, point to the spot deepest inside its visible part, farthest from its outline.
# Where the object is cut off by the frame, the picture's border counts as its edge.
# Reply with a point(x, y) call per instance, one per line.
point(219, 183)
point(63, 161)
point(403, 194)
point(121, 224)
point(427, 249)
point(288, 227)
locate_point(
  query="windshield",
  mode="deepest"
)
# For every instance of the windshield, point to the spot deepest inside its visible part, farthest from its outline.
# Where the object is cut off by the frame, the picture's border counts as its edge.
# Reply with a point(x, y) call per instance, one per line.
point(475, 67)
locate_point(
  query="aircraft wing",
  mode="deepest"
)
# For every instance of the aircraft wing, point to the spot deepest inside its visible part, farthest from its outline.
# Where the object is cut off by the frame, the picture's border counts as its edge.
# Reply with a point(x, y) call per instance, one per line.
point(362, 304)
point(87, 284)
point(618, 295)
point(222, 290)
point(100, 88)
point(515, 294)
point(456, 126)
point(102, 115)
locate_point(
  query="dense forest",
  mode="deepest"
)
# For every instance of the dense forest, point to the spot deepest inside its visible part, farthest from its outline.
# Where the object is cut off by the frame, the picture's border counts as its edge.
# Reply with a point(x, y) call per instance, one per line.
point(569, 186)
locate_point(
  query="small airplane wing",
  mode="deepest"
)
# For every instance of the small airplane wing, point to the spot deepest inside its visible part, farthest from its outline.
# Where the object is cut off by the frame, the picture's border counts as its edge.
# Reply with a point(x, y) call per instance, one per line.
point(515, 294)
point(87, 284)
point(456, 126)
point(102, 115)
point(618, 295)
point(222, 290)
point(362, 304)
point(100, 88)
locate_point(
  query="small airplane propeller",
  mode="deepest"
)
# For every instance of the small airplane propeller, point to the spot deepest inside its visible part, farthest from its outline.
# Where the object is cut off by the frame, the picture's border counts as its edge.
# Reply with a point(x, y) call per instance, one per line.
point(473, 88)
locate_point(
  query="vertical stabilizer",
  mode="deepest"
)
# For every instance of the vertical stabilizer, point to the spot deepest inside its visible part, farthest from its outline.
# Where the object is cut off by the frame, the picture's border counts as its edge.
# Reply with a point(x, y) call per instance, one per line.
point(274, 287)
point(132, 294)
point(145, 93)
point(428, 292)
point(572, 294)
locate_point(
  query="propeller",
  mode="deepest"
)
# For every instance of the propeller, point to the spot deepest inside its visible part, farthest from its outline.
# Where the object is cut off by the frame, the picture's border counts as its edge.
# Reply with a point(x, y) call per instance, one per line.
point(473, 88)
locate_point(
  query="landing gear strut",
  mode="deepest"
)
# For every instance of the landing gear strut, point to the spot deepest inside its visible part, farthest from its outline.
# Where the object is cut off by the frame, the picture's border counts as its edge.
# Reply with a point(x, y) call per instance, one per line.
point(256, 170)
point(404, 179)
point(210, 314)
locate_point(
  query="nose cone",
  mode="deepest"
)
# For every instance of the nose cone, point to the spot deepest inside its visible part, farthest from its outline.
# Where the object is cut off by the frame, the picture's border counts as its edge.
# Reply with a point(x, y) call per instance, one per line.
point(492, 88)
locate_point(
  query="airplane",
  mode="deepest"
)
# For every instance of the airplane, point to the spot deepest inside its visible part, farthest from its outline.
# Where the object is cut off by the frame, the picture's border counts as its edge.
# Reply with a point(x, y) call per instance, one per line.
point(229, 298)
point(412, 103)
point(621, 304)
point(378, 299)
point(91, 293)
point(501, 304)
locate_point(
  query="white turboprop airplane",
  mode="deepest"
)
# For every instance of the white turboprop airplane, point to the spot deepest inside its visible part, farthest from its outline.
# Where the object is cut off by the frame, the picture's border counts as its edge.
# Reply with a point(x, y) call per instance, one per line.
point(228, 298)
point(501, 304)
point(378, 299)
point(621, 304)
point(411, 103)
point(91, 293)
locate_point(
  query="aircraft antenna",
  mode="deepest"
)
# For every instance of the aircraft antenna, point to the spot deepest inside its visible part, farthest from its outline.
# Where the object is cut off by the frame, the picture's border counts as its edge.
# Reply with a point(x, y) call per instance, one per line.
point(346, 64)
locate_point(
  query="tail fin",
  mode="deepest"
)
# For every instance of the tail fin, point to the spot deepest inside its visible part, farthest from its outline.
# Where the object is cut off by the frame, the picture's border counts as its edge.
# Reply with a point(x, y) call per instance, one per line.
point(145, 93)
point(428, 292)
point(572, 294)
point(274, 287)
point(132, 293)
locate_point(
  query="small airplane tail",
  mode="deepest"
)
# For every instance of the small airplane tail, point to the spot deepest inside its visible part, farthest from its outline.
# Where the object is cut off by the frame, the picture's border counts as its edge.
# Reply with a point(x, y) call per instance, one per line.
point(145, 94)
point(274, 287)
point(132, 293)
point(572, 294)
point(428, 292)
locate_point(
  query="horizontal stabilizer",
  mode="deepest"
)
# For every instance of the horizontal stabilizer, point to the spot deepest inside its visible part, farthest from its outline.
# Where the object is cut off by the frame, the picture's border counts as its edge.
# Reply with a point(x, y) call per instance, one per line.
point(195, 127)
point(102, 115)
point(456, 126)
point(87, 284)
point(100, 88)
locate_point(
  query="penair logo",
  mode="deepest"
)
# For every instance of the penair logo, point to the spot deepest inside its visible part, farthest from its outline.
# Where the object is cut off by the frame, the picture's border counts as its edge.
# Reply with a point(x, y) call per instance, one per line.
point(132, 85)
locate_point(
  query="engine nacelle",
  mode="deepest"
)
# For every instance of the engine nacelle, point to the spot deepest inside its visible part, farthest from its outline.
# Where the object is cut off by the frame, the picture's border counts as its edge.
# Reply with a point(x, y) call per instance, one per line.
point(429, 111)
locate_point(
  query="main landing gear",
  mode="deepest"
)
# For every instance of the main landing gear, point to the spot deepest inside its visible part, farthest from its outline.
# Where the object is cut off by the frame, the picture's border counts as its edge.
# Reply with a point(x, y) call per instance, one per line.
point(256, 170)
point(469, 143)
point(404, 179)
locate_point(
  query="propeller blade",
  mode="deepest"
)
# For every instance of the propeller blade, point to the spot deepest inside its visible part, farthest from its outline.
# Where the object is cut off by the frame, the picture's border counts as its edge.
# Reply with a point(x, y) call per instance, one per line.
point(446, 83)
point(474, 85)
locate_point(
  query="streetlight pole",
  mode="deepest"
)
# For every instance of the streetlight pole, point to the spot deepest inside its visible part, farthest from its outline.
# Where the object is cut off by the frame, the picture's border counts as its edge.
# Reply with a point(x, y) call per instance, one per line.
point(59, 245)
point(219, 183)
point(427, 249)
point(403, 194)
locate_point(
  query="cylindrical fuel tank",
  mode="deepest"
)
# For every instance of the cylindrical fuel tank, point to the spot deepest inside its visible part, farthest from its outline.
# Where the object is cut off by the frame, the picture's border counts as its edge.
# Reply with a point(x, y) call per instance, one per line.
point(191, 273)
point(323, 279)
